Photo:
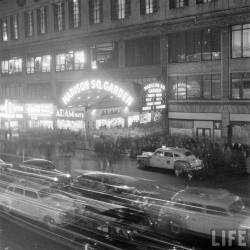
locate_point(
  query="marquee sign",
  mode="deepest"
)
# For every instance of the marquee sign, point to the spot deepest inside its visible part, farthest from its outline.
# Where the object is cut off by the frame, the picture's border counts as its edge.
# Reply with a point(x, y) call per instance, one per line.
point(40, 110)
point(108, 86)
point(65, 113)
point(154, 97)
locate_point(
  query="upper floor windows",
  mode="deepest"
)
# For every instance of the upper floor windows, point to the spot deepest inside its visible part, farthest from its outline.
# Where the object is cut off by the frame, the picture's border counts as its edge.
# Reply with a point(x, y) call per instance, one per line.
point(59, 16)
point(11, 66)
point(14, 27)
point(148, 6)
point(241, 40)
point(29, 23)
point(142, 51)
point(204, 1)
point(42, 20)
point(104, 55)
point(4, 29)
point(74, 13)
point(174, 4)
point(195, 46)
point(240, 87)
point(95, 11)
point(72, 60)
point(38, 64)
point(120, 9)
point(195, 87)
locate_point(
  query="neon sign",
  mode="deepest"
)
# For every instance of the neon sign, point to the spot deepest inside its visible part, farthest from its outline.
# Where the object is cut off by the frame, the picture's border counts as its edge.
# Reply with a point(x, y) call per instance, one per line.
point(98, 85)
point(65, 113)
point(154, 97)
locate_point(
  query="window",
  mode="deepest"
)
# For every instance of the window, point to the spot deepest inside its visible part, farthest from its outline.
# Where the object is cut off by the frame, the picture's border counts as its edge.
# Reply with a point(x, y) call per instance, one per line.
point(148, 6)
point(143, 51)
point(73, 60)
point(168, 154)
point(194, 207)
point(4, 29)
point(174, 4)
point(216, 210)
point(42, 20)
point(18, 190)
point(204, 1)
point(14, 27)
point(28, 23)
point(11, 66)
point(240, 86)
point(59, 17)
point(95, 11)
point(104, 55)
point(241, 41)
point(195, 87)
point(31, 194)
point(120, 9)
point(195, 46)
point(74, 14)
point(38, 64)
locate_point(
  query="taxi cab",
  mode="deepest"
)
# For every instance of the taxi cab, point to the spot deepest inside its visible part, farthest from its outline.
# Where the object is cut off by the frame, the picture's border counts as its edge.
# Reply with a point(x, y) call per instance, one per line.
point(201, 210)
point(178, 159)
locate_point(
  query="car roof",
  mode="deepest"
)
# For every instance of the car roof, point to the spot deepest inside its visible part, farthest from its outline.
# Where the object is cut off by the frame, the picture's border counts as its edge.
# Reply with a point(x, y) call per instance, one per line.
point(125, 177)
point(206, 196)
point(25, 184)
point(173, 149)
point(36, 160)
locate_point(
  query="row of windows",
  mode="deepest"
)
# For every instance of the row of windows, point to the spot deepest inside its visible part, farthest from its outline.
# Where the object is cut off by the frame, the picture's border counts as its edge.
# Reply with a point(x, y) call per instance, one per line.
point(195, 87)
point(120, 9)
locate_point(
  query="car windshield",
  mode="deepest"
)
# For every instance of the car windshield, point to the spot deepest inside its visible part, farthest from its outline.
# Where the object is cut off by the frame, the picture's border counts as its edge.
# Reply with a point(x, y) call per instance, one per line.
point(187, 153)
point(237, 206)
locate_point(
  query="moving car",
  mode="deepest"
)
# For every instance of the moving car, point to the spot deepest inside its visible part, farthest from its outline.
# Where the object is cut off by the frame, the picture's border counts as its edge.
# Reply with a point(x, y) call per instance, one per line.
point(40, 169)
point(200, 210)
point(33, 201)
point(121, 189)
point(178, 159)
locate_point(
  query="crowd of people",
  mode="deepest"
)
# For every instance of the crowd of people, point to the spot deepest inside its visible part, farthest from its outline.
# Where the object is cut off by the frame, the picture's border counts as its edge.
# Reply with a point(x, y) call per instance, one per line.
point(216, 155)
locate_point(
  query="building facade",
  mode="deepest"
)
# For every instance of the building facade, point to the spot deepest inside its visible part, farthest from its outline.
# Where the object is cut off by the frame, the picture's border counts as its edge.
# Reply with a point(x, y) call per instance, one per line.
point(198, 49)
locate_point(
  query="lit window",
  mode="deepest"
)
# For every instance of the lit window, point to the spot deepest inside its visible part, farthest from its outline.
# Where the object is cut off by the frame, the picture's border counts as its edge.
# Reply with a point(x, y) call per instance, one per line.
point(11, 66)
point(29, 30)
point(174, 4)
point(95, 11)
point(204, 1)
point(79, 60)
point(4, 29)
point(38, 64)
point(241, 40)
point(149, 6)
point(42, 20)
point(59, 16)
point(74, 13)
point(14, 29)
point(121, 9)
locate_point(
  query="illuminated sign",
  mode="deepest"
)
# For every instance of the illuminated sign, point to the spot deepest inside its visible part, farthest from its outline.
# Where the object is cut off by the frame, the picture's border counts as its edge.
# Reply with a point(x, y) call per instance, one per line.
point(40, 110)
point(65, 113)
point(98, 85)
point(154, 97)
point(10, 110)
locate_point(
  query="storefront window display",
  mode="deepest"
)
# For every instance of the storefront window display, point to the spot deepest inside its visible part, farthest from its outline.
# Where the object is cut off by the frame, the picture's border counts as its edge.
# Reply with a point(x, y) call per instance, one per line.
point(73, 125)
point(48, 124)
point(133, 119)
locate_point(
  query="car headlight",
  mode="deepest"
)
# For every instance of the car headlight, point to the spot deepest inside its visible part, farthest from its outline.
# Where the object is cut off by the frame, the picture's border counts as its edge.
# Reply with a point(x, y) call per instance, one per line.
point(55, 179)
point(68, 175)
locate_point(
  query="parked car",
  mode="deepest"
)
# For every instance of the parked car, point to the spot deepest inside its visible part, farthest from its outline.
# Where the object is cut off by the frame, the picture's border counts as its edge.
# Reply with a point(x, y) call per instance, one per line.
point(40, 169)
point(200, 210)
point(33, 201)
point(180, 160)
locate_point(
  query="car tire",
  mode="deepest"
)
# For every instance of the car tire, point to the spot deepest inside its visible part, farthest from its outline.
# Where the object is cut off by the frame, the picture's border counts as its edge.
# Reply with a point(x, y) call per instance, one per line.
point(50, 223)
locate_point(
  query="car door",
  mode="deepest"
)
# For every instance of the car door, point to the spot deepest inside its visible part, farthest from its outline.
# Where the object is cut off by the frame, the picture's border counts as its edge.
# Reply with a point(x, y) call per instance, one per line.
point(155, 160)
point(168, 160)
point(32, 205)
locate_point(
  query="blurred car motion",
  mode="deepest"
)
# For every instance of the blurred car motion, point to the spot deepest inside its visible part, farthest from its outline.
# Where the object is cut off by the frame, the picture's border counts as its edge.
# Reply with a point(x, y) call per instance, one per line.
point(200, 210)
point(40, 169)
point(33, 201)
